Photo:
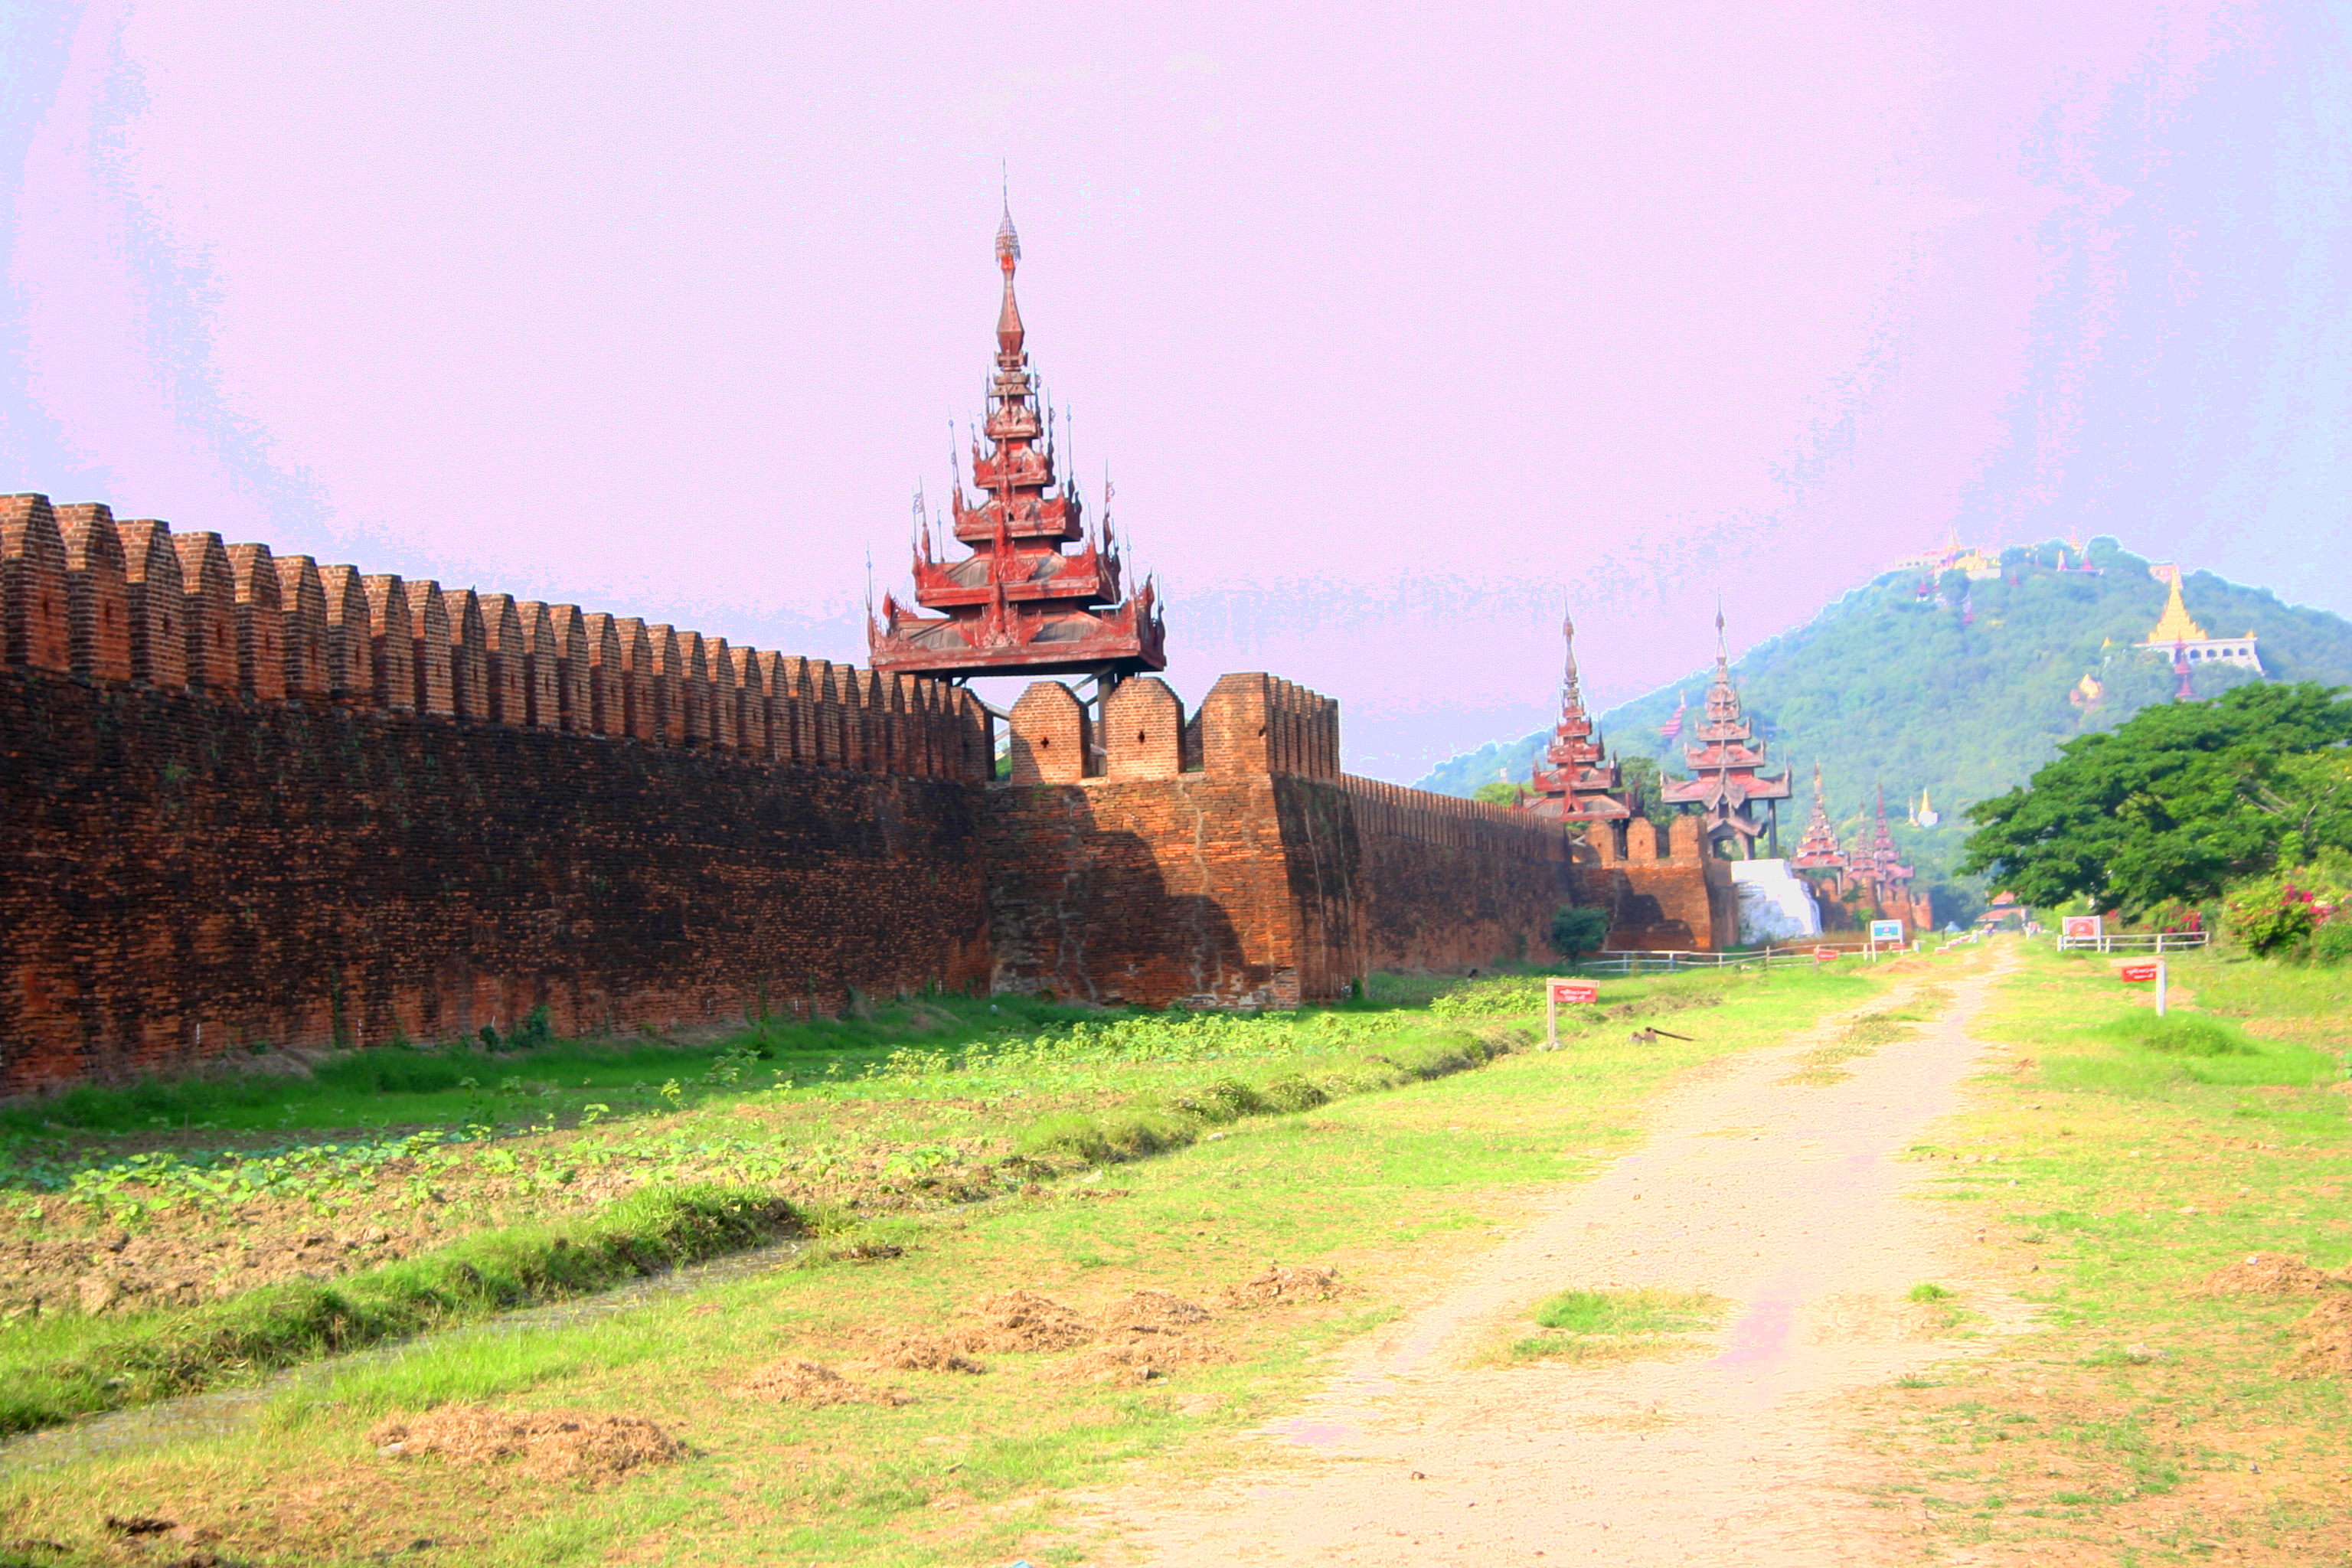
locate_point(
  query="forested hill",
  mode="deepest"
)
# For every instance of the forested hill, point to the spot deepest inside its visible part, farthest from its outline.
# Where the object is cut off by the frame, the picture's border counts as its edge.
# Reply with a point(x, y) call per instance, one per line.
point(1962, 692)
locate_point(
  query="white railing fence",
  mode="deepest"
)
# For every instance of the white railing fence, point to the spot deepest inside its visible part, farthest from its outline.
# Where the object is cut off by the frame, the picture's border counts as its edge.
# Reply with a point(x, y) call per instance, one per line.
point(2135, 941)
point(1671, 962)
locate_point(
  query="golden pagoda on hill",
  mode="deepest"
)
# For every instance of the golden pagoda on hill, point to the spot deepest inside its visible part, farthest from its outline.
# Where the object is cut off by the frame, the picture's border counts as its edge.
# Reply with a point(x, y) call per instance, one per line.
point(2178, 636)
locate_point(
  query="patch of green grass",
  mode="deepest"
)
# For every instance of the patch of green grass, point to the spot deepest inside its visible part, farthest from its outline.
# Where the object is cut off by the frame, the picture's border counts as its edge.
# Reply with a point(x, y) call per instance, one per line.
point(1630, 1312)
point(1926, 1291)
point(1862, 1037)
point(1378, 1183)
point(2181, 1035)
point(1607, 1325)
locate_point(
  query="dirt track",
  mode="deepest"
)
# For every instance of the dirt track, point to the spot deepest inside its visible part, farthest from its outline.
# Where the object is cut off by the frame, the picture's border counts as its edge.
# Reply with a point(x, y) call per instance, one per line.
point(1787, 1198)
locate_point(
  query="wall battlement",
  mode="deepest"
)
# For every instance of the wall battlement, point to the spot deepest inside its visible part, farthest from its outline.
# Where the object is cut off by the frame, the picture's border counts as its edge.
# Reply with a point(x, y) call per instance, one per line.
point(81, 594)
point(1224, 859)
point(257, 802)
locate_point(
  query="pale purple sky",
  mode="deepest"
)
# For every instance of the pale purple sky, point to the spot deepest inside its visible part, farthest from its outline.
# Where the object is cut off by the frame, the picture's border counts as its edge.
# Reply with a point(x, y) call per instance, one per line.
point(1396, 327)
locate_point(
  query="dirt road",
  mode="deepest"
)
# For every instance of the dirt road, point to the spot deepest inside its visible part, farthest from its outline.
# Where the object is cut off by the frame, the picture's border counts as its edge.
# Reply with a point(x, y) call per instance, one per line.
point(1787, 1199)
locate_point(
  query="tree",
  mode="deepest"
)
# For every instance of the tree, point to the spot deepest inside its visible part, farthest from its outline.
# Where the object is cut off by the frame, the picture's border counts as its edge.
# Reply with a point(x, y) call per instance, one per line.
point(2177, 802)
point(1577, 930)
point(1498, 792)
point(1643, 783)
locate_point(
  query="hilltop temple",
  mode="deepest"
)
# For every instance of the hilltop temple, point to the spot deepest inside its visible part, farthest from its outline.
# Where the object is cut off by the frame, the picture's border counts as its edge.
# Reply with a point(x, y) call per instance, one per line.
point(1727, 783)
point(1574, 779)
point(1018, 604)
point(2177, 635)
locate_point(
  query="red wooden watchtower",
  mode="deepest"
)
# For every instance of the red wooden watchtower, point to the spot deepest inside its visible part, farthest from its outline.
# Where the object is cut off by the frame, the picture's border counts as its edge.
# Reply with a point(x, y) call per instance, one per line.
point(1574, 779)
point(1819, 855)
point(1019, 605)
point(1728, 783)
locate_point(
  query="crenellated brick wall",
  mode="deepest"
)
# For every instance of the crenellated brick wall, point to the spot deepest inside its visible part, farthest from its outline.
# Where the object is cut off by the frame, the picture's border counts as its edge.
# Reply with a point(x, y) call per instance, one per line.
point(252, 800)
point(1661, 891)
point(1227, 861)
point(85, 596)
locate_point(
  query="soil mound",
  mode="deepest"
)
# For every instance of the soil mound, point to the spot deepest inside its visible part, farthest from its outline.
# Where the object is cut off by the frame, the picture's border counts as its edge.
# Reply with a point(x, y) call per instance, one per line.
point(2326, 1350)
point(1154, 1311)
point(556, 1445)
point(793, 1381)
point(2266, 1274)
point(921, 1353)
point(1016, 1321)
point(1281, 1285)
point(1141, 1363)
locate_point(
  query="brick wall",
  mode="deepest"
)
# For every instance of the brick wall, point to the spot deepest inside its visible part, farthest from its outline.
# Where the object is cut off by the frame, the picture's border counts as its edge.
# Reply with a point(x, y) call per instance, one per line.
point(251, 799)
point(184, 876)
point(1256, 874)
point(1663, 891)
point(1453, 884)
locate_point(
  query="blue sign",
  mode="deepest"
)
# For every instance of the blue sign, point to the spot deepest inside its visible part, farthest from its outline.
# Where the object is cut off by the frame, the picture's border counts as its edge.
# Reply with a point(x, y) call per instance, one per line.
point(1886, 931)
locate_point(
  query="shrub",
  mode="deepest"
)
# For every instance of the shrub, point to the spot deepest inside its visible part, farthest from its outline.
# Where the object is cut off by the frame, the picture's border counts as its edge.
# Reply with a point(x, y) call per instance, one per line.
point(2332, 942)
point(2281, 914)
point(1576, 932)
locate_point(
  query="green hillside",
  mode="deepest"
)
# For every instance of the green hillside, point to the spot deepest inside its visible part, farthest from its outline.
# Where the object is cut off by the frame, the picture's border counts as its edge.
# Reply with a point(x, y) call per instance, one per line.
point(1889, 687)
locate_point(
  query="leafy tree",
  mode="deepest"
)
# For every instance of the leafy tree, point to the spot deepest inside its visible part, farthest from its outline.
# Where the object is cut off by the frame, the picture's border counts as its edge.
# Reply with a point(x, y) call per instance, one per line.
point(1642, 780)
point(1498, 792)
point(1577, 929)
point(2177, 803)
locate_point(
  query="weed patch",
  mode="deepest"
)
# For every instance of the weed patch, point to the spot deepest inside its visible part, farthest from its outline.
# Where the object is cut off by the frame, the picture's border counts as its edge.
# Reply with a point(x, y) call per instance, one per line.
point(1616, 1325)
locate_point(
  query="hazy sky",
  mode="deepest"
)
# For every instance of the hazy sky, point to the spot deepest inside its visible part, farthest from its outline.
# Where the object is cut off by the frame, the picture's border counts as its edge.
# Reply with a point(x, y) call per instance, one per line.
point(1396, 329)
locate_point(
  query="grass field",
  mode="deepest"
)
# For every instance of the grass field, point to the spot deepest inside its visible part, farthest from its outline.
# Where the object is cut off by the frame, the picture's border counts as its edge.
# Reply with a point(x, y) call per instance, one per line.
point(2116, 1166)
point(1087, 1163)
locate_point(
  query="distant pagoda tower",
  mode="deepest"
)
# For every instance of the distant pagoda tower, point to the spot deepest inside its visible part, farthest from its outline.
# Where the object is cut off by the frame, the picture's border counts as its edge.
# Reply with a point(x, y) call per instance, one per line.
point(1819, 855)
point(1892, 892)
point(1890, 879)
point(1727, 784)
point(1018, 604)
point(1580, 784)
point(2177, 635)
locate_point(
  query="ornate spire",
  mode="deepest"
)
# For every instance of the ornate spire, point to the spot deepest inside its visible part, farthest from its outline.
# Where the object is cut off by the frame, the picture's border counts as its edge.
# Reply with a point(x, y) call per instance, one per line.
point(1019, 605)
point(1010, 334)
point(1572, 692)
point(1727, 781)
point(1574, 779)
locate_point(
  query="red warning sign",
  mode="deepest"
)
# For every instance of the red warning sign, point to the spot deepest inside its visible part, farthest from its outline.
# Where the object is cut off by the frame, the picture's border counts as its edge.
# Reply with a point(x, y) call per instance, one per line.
point(1570, 993)
point(2137, 974)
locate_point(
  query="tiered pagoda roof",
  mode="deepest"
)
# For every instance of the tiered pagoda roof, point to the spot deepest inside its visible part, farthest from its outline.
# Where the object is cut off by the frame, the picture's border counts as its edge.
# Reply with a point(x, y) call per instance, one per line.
point(1574, 779)
point(1728, 782)
point(1818, 850)
point(1018, 604)
point(1881, 862)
